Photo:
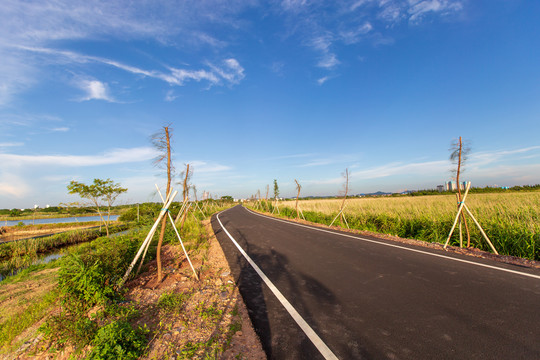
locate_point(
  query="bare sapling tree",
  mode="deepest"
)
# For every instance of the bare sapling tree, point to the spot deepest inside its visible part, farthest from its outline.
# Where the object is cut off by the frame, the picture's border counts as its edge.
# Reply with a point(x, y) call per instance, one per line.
point(276, 195)
point(97, 192)
point(298, 187)
point(345, 175)
point(194, 189)
point(162, 143)
point(266, 197)
point(459, 152)
point(110, 193)
point(185, 192)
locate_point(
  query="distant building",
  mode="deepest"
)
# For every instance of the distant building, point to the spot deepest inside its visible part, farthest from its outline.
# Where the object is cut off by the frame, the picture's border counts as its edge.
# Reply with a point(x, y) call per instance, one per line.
point(440, 188)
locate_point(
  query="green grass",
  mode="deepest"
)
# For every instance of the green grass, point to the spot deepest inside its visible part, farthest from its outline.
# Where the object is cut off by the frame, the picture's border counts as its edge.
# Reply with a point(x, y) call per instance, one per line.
point(18, 322)
point(511, 220)
point(172, 302)
point(89, 278)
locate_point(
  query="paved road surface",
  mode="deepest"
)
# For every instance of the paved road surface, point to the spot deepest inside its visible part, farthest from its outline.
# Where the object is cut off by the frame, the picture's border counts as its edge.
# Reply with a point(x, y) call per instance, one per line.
point(367, 298)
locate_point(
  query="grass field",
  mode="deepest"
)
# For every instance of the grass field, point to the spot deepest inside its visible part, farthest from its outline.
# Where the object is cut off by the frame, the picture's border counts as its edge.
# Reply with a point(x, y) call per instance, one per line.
point(511, 220)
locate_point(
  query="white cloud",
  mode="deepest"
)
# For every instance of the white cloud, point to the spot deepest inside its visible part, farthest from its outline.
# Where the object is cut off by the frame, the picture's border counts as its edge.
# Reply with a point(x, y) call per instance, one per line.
point(115, 156)
point(293, 5)
point(323, 80)
point(60, 129)
point(10, 144)
point(170, 96)
point(352, 36)
point(229, 71)
point(485, 167)
point(418, 8)
point(204, 167)
point(328, 61)
point(47, 22)
point(95, 90)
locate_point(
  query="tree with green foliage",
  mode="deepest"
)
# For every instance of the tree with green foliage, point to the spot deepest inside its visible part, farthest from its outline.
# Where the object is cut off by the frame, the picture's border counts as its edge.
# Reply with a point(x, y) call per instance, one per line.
point(100, 190)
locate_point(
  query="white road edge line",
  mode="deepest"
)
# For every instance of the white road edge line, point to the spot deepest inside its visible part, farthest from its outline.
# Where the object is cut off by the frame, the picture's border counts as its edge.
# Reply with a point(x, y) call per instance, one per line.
point(396, 246)
point(311, 334)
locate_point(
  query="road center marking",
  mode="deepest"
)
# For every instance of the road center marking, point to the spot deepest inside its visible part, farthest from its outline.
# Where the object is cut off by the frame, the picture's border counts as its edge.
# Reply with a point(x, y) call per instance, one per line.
point(311, 334)
point(395, 246)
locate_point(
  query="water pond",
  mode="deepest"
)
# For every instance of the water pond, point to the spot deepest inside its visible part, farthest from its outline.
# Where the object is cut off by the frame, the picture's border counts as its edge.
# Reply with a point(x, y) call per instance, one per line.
point(55, 220)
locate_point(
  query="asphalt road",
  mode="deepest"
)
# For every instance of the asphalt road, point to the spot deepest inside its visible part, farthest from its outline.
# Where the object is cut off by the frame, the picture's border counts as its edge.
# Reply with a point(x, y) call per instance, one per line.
point(367, 298)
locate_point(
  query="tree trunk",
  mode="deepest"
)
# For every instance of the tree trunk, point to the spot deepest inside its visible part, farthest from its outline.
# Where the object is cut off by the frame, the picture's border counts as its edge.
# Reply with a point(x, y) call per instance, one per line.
point(164, 221)
point(186, 196)
point(346, 192)
point(459, 194)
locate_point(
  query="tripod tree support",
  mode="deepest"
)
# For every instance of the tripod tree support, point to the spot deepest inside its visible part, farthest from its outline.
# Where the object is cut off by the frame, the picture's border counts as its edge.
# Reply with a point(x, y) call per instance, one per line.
point(179, 238)
point(342, 214)
point(162, 213)
point(464, 206)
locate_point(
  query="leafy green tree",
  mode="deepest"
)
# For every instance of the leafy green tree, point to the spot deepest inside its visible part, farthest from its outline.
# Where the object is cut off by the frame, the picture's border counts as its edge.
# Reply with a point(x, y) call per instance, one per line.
point(100, 190)
point(15, 212)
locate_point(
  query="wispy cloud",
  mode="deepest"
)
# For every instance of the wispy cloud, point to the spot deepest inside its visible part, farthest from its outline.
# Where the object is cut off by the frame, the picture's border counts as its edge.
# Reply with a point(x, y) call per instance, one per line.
point(323, 80)
point(229, 71)
point(60, 129)
point(11, 144)
point(486, 166)
point(115, 156)
point(170, 96)
point(489, 157)
point(205, 167)
point(35, 24)
point(419, 8)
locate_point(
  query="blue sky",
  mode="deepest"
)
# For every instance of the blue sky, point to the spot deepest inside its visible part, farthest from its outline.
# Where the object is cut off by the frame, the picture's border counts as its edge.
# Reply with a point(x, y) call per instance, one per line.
point(261, 90)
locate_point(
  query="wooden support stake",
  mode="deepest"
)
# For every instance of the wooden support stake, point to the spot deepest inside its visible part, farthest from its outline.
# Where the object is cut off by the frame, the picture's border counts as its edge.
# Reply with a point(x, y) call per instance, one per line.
point(458, 214)
point(164, 210)
point(460, 210)
point(481, 230)
point(179, 238)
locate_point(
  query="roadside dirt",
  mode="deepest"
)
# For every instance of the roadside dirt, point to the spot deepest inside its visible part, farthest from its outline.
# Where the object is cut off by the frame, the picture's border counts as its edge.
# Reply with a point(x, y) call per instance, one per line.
point(213, 316)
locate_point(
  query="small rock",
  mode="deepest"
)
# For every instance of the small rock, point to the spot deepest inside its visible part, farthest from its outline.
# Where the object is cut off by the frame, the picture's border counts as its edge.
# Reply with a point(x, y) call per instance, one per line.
point(226, 273)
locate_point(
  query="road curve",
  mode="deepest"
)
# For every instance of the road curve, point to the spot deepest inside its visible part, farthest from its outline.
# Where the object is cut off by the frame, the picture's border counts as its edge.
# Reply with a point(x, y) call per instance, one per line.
point(367, 298)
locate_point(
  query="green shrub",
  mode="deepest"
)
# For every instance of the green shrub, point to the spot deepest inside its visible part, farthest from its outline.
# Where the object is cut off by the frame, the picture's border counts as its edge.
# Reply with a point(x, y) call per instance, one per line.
point(83, 282)
point(118, 340)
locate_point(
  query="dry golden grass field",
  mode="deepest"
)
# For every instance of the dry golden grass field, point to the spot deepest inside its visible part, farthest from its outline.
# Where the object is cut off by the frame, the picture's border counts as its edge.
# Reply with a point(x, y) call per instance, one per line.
point(510, 219)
